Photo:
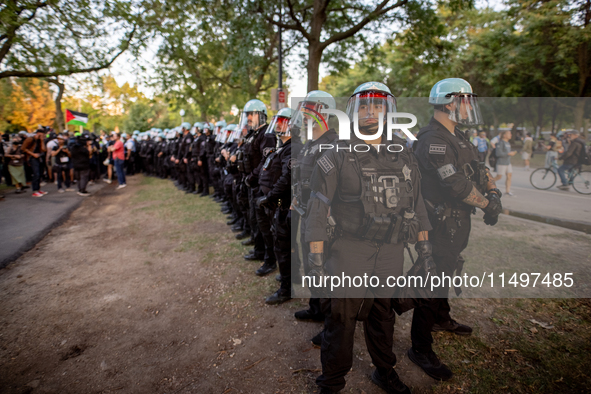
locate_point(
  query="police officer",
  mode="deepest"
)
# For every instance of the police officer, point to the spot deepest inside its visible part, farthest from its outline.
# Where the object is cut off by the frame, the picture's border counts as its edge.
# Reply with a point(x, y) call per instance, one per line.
point(311, 106)
point(206, 157)
point(181, 157)
point(275, 185)
point(454, 183)
point(257, 146)
point(371, 186)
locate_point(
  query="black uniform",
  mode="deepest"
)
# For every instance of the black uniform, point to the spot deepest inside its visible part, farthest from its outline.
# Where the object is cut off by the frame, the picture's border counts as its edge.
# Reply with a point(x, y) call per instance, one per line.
point(444, 160)
point(257, 147)
point(302, 172)
point(367, 194)
point(183, 153)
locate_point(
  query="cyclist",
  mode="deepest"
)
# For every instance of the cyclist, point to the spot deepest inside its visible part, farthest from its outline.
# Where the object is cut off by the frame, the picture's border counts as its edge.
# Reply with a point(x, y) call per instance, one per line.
point(572, 157)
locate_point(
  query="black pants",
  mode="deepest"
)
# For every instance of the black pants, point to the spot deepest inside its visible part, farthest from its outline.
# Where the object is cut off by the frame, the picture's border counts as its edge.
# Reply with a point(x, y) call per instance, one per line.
point(355, 257)
point(204, 176)
point(259, 243)
point(282, 244)
point(338, 338)
point(191, 176)
point(82, 176)
point(58, 169)
point(182, 171)
point(264, 220)
point(448, 240)
point(36, 171)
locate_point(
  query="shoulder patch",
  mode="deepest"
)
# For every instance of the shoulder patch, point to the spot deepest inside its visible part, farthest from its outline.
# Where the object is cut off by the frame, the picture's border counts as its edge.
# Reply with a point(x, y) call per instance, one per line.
point(435, 149)
point(446, 171)
point(325, 164)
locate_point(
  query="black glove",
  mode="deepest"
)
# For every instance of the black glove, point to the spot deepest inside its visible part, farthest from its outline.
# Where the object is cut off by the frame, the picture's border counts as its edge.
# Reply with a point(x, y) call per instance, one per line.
point(490, 220)
point(493, 209)
point(316, 269)
point(424, 249)
point(263, 202)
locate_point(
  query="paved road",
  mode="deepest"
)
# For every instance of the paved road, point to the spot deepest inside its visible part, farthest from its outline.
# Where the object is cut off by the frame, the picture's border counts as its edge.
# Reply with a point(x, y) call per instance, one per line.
point(25, 220)
point(552, 203)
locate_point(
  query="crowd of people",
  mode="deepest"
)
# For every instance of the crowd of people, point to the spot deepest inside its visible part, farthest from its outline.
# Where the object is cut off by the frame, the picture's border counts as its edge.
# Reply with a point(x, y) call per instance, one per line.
point(570, 148)
point(67, 158)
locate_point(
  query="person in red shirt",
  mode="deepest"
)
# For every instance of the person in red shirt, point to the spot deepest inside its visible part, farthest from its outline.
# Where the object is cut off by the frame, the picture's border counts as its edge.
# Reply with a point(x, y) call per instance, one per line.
point(118, 152)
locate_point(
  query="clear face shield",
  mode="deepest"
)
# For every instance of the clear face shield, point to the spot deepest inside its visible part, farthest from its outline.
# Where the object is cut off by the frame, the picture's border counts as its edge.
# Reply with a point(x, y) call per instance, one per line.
point(279, 126)
point(251, 120)
point(308, 122)
point(368, 110)
point(464, 109)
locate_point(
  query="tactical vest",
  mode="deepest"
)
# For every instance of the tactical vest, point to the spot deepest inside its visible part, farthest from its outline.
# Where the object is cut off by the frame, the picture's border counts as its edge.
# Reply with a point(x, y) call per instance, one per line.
point(383, 205)
point(270, 171)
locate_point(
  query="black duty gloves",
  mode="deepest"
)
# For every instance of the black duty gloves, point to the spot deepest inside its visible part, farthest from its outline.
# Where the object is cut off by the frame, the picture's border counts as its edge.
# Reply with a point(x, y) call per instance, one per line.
point(424, 250)
point(493, 209)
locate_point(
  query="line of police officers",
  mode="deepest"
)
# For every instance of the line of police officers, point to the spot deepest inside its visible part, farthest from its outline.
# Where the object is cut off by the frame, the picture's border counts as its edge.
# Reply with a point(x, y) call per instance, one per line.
point(349, 210)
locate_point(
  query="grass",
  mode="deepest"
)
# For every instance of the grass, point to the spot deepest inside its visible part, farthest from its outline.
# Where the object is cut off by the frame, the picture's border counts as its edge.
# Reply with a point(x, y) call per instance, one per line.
point(507, 352)
point(522, 357)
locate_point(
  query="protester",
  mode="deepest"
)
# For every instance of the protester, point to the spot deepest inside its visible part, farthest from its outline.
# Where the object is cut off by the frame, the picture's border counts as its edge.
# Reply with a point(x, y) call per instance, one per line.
point(504, 153)
point(33, 148)
point(81, 153)
point(481, 142)
point(16, 165)
point(527, 150)
point(571, 158)
point(61, 168)
point(118, 154)
point(553, 148)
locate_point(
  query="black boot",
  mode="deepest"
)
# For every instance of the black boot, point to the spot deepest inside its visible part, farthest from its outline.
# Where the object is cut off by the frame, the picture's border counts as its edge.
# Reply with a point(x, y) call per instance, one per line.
point(266, 269)
point(254, 257)
point(308, 315)
point(390, 383)
point(453, 326)
point(232, 221)
point(279, 297)
point(236, 228)
point(243, 235)
point(429, 362)
point(248, 242)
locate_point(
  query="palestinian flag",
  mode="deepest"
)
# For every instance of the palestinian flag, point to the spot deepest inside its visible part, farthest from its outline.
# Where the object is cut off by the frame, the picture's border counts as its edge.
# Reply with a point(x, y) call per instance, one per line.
point(76, 118)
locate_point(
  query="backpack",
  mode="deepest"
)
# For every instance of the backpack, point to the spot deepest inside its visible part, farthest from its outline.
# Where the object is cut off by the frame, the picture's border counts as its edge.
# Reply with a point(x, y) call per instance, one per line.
point(585, 158)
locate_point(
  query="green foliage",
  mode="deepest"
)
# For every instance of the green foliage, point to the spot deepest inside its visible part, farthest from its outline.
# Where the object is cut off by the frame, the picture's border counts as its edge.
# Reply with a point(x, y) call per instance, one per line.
point(63, 37)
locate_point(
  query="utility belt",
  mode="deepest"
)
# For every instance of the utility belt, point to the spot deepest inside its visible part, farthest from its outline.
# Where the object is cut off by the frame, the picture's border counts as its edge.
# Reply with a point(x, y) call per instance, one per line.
point(446, 210)
point(392, 228)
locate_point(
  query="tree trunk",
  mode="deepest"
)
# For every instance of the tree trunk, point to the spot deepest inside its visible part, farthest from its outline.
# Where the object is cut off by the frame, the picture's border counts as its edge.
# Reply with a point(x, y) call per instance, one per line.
point(59, 115)
point(579, 114)
point(313, 67)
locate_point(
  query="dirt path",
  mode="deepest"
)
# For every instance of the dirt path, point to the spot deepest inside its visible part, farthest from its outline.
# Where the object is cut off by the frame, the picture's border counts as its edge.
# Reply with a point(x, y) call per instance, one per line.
point(144, 291)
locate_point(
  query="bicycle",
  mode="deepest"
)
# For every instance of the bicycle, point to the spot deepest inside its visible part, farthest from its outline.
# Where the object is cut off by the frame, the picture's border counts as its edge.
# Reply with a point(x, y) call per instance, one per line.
point(545, 178)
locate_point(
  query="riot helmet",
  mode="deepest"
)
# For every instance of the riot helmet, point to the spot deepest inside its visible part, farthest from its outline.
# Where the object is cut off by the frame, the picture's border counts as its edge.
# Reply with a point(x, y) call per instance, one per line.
point(280, 123)
point(308, 114)
point(253, 116)
point(370, 103)
point(455, 97)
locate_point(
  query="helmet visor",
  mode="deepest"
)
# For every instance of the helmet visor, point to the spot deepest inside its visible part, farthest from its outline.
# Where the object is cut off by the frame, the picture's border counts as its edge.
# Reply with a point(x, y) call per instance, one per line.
point(307, 116)
point(280, 126)
point(465, 110)
point(251, 120)
point(370, 106)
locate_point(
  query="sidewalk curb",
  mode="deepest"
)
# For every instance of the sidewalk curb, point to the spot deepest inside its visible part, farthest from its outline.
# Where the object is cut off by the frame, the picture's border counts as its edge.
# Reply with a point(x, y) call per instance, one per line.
point(584, 227)
point(30, 244)
point(35, 239)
